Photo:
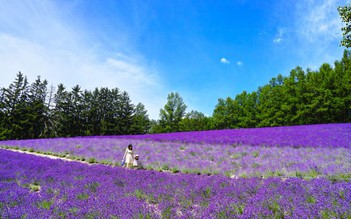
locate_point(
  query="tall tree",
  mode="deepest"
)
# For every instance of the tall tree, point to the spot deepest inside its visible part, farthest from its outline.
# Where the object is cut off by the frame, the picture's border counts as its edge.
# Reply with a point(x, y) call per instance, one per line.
point(49, 122)
point(225, 114)
point(2, 115)
point(37, 108)
point(141, 122)
point(16, 108)
point(246, 109)
point(194, 121)
point(124, 117)
point(345, 15)
point(61, 111)
point(172, 113)
point(76, 123)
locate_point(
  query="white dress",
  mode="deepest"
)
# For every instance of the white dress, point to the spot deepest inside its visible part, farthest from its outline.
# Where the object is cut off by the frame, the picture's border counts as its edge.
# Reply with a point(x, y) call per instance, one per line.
point(137, 164)
point(129, 156)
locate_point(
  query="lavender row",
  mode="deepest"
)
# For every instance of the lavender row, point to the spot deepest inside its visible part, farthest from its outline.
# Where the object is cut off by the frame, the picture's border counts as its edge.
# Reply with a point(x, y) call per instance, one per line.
point(36, 187)
point(321, 135)
point(232, 161)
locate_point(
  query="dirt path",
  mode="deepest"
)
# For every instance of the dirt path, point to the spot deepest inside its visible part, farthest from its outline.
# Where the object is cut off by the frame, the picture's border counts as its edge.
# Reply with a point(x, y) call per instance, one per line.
point(86, 162)
point(48, 156)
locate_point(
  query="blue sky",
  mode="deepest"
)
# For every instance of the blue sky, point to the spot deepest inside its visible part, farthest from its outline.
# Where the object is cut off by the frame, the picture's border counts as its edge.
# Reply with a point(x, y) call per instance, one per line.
point(204, 50)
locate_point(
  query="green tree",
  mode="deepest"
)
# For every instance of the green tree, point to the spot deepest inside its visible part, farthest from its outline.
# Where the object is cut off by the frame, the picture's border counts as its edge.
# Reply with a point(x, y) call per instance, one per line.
point(50, 123)
point(155, 127)
point(225, 114)
point(345, 15)
point(37, 108)
point(194, 121)
point(246, 109)
point(61, 111)
point(16, 109)
point(342, 85)
point(75, 100)
point(124, 117)
point(2, 115)
point(141, 122)
point(172, 113)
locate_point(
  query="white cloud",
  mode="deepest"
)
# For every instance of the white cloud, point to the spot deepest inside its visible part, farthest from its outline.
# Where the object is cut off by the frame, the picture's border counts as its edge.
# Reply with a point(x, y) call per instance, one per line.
point(225, 61)
point(279, 36)
point(239, 63)
point(312, 31)
point(277, 40)
point(319, 20)
point(36, 40)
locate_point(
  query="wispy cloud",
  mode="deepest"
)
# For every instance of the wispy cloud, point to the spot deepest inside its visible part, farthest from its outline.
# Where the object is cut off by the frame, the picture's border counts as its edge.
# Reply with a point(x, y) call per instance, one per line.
point(239, 63)
point(37, 40)
point(279, 36)
point(277, 40)
point(314, 30)
point(225, 61)
point(320, 21)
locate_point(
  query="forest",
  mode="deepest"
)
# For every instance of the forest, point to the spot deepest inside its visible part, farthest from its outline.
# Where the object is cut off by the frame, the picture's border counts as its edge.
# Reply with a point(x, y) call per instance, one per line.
point(34, 110)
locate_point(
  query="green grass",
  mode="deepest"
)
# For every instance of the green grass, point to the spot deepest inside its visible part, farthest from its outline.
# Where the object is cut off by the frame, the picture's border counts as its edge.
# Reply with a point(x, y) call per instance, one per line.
point(92, 160)
point(44, 204)
point(255, 154)
point(92, 186)
point(82, 196)
point(175, 170)
point(310, 199)
point(165, 167)
point(35, 187)
point(207, 192)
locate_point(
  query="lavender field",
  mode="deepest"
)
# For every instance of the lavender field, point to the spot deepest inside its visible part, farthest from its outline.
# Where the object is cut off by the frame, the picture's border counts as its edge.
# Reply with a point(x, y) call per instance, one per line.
point(308, 151)
point(281, 172)
point(36, 187)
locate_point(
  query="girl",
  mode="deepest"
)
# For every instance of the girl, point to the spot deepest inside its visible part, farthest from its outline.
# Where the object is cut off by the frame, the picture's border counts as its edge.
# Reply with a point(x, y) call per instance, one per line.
point(128, 156)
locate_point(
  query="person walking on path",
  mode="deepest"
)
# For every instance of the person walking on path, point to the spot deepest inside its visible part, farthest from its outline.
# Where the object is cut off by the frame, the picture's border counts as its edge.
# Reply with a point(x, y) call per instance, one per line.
point(128, 156)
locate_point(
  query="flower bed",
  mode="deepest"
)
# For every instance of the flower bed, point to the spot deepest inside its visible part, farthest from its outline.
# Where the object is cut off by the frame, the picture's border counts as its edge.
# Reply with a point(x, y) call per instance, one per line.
point(329, 154)
point(36, 187)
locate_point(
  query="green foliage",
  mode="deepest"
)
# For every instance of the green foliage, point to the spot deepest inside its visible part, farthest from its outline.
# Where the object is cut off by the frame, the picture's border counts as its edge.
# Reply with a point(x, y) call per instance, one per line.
point(22, 109)
point(74, 211)
point(255, 154)
point(302, 97)
point(45, 204)
point(82, 196)
point(172, 113)
point(35, 187)
point(275, 208)
point(194, 121)
point(92, 160)
point(140, 120)
point(139, 194)
point(29, 111)
point(207, 192)
point(310, 199)
point(345, 15)
point(92, 186)
point(167, 213)
point(175, 170)
point(165, 167)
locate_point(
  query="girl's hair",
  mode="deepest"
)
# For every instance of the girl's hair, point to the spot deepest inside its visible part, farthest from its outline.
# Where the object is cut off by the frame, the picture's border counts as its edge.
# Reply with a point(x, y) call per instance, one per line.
point(130, 146)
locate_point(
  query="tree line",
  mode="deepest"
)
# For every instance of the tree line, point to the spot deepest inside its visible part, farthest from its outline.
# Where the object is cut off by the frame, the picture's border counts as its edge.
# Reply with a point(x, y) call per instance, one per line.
point(303, 97)
point(36, 111)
